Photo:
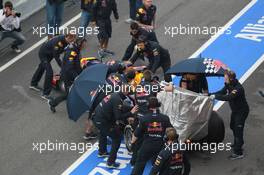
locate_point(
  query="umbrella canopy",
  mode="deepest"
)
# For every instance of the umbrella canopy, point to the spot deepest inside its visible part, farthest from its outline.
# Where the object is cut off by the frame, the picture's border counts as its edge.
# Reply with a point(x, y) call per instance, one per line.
point(207, 66)
point(81, 93)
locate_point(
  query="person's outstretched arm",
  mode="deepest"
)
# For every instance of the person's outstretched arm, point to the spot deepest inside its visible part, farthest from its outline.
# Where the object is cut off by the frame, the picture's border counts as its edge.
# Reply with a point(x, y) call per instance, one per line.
point(159, 163)
point(115, 11)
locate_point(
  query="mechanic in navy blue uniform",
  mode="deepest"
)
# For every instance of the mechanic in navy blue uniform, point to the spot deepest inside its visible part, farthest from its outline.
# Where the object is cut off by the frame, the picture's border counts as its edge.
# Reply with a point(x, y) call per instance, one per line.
point(49, 50)
point(136, 31)
point(70, 69)
point(156, 54)
point(115, 69)
point(171, 160)
point(146, 17)
point(194, 82)
point(113, 80)
point(145, 90)
point(234, 93)
point(102, 11)
point(151, 128)
point(115, 76)
point(107, 115)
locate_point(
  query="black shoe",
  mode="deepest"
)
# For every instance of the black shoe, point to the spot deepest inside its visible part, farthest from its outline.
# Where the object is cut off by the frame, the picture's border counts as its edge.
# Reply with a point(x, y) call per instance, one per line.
point(35, 88)
point(51, 106)
point(90, 136)
point(132, 163)
point(236, 156)
point(16, 49)
point(112, 165)
point(106, 154)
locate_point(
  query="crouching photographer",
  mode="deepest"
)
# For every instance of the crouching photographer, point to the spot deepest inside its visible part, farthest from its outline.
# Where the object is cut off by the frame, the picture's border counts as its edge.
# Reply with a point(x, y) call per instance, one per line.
point(10, 26)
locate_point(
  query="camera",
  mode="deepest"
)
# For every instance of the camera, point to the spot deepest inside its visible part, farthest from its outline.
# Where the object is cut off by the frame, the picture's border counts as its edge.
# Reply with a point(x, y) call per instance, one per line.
point(18, 14)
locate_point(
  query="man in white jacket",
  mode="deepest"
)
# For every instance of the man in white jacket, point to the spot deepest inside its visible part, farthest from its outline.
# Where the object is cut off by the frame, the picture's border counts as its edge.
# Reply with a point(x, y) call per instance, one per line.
point(10, 26)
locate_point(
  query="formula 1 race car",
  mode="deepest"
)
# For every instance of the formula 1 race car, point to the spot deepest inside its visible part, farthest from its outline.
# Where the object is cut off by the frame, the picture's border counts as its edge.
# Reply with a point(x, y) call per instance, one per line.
point(192, 116)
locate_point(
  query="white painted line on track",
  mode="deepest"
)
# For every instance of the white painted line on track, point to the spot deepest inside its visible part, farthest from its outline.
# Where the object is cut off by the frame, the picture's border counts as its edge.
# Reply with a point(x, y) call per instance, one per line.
point(213, 38)
point(78, 162)
point(34, 46)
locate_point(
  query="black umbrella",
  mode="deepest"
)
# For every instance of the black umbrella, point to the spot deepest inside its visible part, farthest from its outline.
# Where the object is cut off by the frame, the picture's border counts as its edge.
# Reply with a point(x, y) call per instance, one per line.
point(207, 66)
point(81, 93)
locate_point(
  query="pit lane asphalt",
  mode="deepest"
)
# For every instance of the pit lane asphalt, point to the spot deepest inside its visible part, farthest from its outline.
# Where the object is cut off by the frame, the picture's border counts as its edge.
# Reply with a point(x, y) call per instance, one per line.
point(26, 119)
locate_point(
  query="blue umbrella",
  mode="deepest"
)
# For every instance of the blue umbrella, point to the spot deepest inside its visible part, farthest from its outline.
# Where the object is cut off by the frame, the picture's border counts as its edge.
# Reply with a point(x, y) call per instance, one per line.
point(80, 96)
point(206, 66)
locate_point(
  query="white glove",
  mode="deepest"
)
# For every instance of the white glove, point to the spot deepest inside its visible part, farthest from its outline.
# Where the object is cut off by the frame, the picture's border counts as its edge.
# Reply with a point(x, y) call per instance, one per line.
point(212, 97)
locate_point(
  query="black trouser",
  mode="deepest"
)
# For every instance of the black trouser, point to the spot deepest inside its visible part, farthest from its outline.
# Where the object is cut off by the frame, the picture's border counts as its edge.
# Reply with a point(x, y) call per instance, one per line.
point(111, 131)
point(165, 67)
point(148, 151)
point(105, 29)
point(135, 151)
point(139, 142)
point(56, 101)
point(165, 64)
point(152, 37)
point(133, 9)
point(43, 66)
point(237, 124)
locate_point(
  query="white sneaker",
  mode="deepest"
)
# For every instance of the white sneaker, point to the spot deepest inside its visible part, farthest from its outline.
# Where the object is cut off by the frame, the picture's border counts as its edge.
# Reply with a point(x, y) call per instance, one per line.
point(45, 97)
point(129, 20)
point(16, 49)
point(236, 156)
point(35, 88)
